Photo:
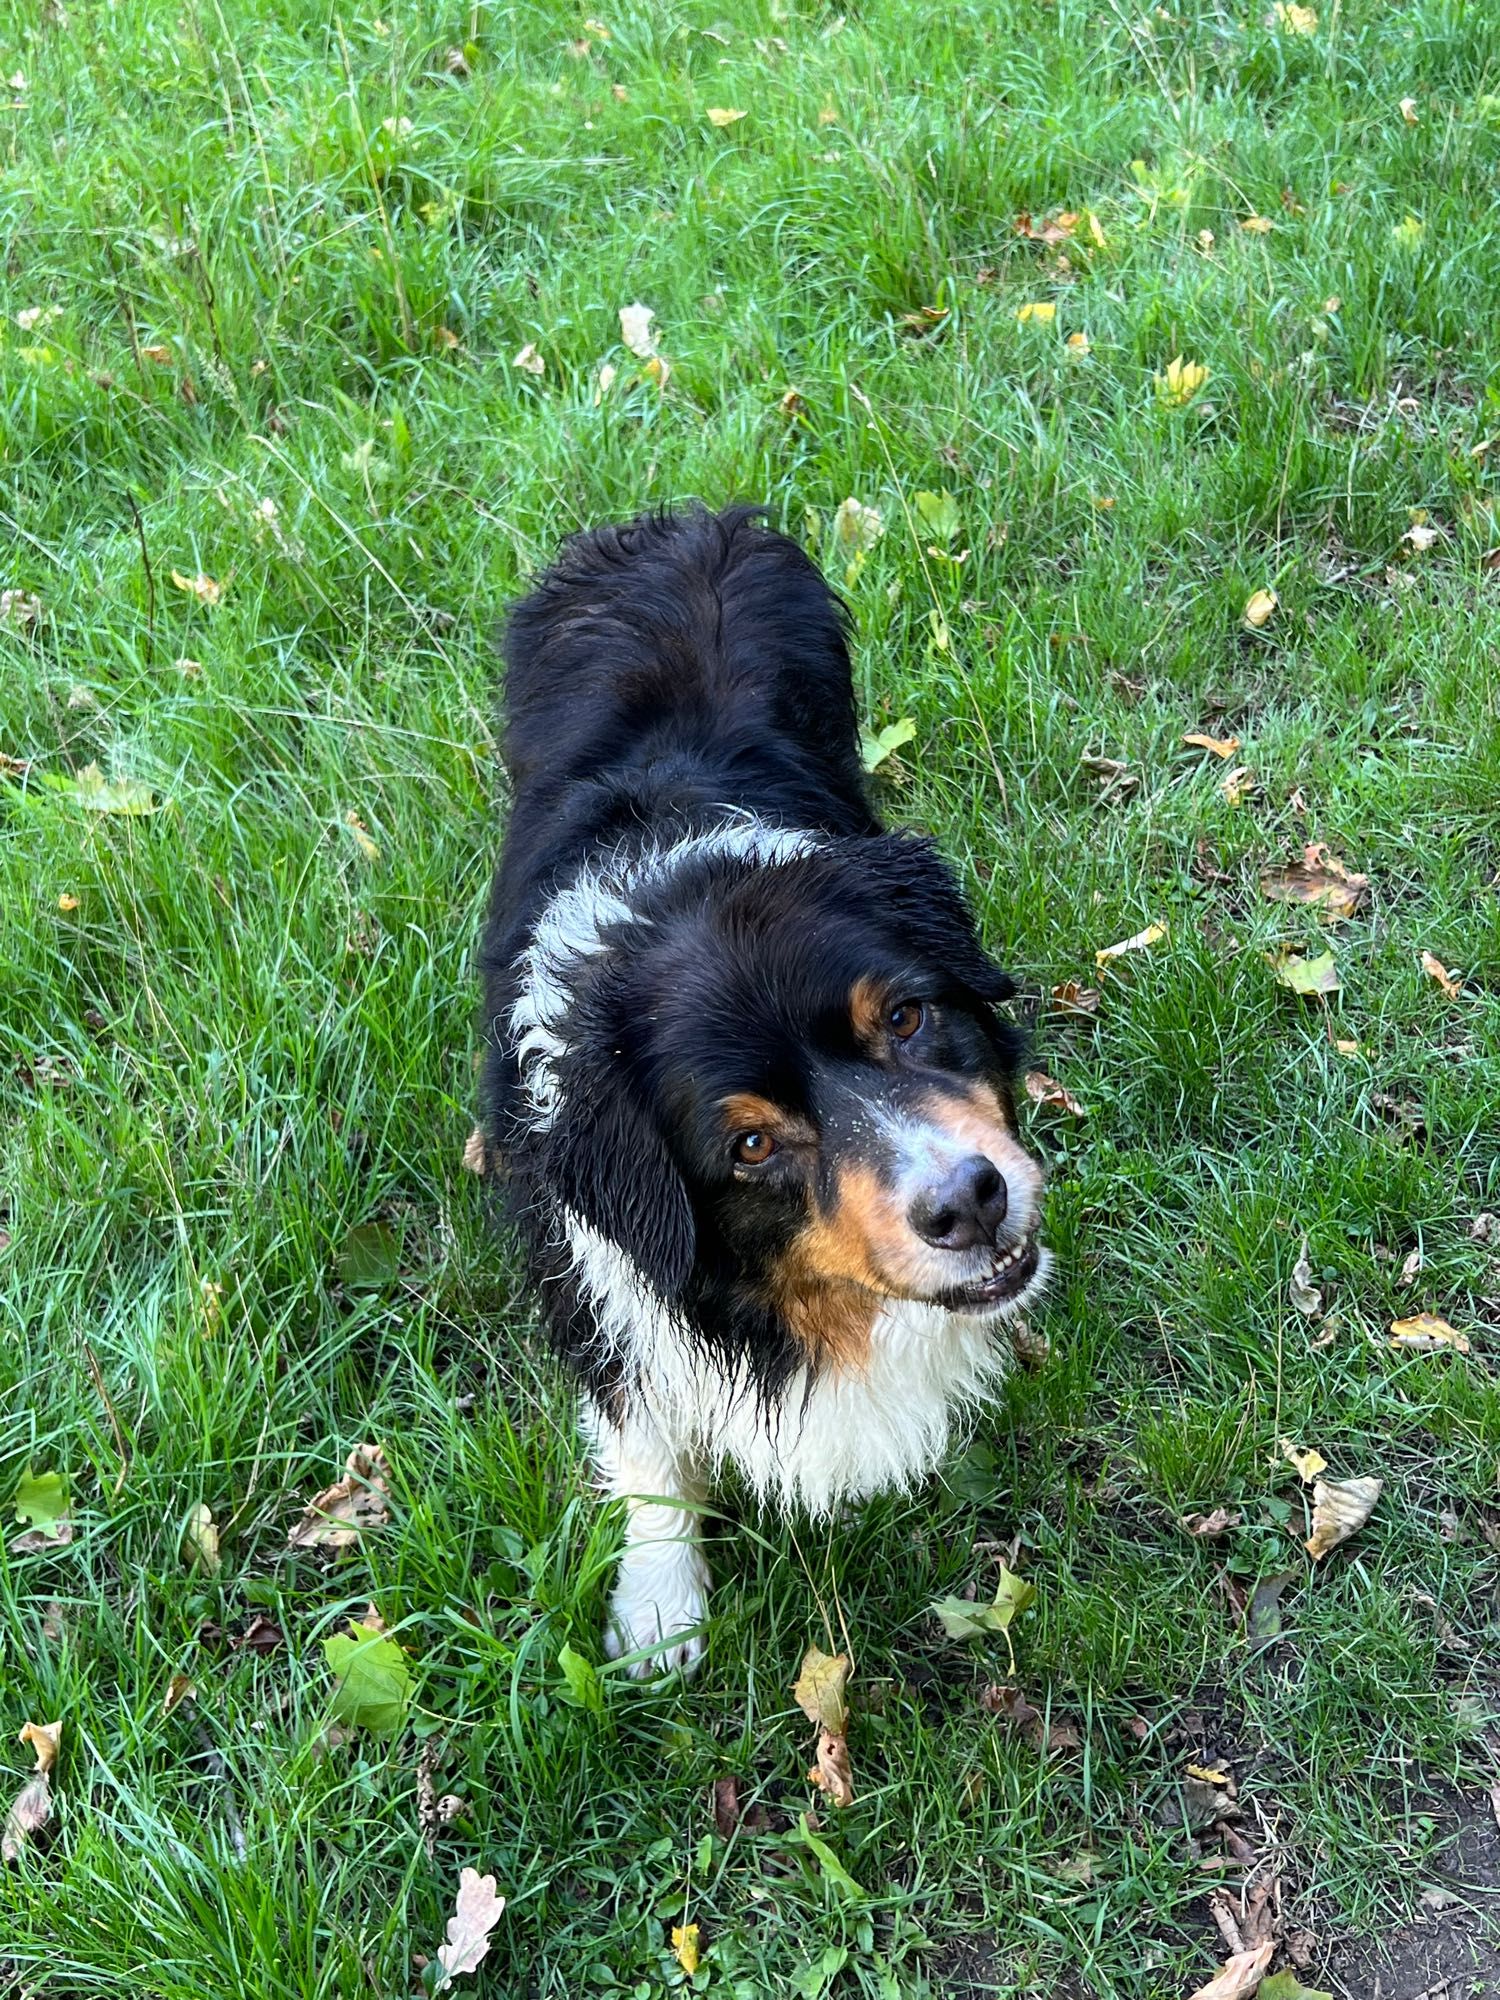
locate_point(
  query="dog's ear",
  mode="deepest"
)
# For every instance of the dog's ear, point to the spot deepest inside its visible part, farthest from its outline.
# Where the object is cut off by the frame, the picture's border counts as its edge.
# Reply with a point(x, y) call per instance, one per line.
point(608, 1163)
point(917, 893)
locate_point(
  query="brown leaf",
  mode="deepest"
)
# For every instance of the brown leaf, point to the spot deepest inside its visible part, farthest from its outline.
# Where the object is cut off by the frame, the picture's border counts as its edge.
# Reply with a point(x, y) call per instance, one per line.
point(726, 1796)
point(1010, 1705)
point(1218, 746)
point(821, 1690)
point(261, 1635)
point(1340, 1509)
point(180, 1688)
point(1485, 1228)
point(1238, 784)
point(1425, 1333)
point(1238, 1977)
point(1437, 971)
point(30, 1814)
point(1046, 1091)
point(342, 1511)
point(1319, 880)
point(1305, 1295)
point(831, 1773)
point(475, 1914)
point(1071, 998)
point(1206, 1527)
point(474, 1153)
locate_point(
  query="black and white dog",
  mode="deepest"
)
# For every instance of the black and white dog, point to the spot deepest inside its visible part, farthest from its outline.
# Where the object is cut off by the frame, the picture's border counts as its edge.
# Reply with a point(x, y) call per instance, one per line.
point(744, 1073)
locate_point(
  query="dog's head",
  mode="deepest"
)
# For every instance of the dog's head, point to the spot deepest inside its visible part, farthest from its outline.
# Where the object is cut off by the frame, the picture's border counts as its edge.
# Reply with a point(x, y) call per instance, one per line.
point(786, 1086)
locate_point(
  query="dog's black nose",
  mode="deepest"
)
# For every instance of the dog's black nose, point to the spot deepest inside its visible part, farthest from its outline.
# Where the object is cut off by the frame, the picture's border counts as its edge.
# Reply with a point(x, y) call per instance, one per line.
point(966, 1206)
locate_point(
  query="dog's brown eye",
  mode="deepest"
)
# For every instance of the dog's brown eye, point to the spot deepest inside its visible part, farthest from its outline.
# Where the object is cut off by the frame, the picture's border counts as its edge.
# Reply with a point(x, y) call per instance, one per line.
point(905, 1019)
point(752, 1147)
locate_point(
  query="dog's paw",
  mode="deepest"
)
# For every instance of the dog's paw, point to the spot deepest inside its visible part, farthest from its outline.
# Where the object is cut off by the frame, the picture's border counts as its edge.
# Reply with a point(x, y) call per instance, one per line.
point(660, 1596)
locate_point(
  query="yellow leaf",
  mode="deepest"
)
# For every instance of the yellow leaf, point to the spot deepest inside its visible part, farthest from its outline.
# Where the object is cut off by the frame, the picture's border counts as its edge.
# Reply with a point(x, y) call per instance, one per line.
point(1078, 344)
point(1219, 746)
point(1340, 1509)
point(597, 29)
point(1408, 233)
point(45, 1738)
point(1096, 234)
point(1308, 1463)
point(1296, 20)
point(158, 352)
point(1436, 970)
point(685, 1946)
point(204, 588)
point(1346, 1048)
point(1238, 784)
point(179, 1689)
point(1425, 1333)
point(1152, 934)
point(65, 902)
point(529, 360)
point(720, 115)
point(1043, 311)
point(1208, 1774)
point(362, 839)
point(1258, 608)
point(1257, 225)
point(1181, 380)
point(821, 1689)
point(1409, 110)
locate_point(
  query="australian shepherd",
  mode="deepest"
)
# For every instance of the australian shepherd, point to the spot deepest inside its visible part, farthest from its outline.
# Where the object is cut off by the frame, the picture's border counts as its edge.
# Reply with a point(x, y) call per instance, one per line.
point(744, 1075)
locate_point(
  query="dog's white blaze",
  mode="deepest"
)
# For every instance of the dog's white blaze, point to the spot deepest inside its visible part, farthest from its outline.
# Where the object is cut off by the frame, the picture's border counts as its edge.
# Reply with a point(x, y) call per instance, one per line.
point(572, 926)
point(854, 1432)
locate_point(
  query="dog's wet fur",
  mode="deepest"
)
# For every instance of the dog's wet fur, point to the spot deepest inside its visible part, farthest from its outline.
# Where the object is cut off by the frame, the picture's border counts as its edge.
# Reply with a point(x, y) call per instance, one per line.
point(744, 1074)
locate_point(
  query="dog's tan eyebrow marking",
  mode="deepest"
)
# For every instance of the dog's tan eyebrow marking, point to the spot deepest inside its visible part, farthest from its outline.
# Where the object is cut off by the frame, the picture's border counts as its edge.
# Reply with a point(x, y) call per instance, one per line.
point(746, 1111)
point(868, 1006)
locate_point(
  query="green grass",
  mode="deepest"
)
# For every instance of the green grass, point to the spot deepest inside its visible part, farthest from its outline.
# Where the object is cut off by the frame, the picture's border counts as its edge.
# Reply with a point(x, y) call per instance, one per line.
point(251, 1035)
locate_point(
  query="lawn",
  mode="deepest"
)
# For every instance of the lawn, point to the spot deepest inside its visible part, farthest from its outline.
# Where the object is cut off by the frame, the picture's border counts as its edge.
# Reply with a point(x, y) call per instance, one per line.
point(303, 314)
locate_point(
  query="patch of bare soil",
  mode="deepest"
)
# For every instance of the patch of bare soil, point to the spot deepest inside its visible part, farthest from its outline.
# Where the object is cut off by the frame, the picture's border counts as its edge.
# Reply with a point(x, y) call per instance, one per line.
point(1452, 1951)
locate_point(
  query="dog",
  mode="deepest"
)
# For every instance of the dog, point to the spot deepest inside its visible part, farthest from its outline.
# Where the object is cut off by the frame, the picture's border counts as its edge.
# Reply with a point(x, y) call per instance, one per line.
point(744, 1075)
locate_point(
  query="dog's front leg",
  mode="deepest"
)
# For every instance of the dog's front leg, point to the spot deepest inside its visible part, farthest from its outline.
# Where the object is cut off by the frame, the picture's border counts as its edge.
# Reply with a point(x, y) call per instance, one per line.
point(661, 1592)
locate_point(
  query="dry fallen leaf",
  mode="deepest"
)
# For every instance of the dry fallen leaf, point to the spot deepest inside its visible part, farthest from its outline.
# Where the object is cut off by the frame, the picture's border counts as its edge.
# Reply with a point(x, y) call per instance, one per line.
point(1210, 1774)
point(1437, 971)
point(721, 115)
point(1257, 225)
point(1206, 1527)
point(1046, 1091)
point(475, 1914)
point(1238, 784)
point(1485, 1228)
point(1425, 1333)
point(529, 361)
point(1259, 606)
point(1219, 746)
point(1296, 21)
point(635, 330)
point(1340, 1508)
point(19, 607)
point(361, 832)
point(30, 1813)
point(179, 1689)
point(1308, 1463)
point(831, 1772)
point(201, 1540)
point(1072, 998)
point(1041, 311)
point(821, 1690)
point(1421, 536)
point(1142, 940)
point(1078, 345)
point(1411, 1268)
point(337, 1517)
point(1408, 109)
point(685, 1947)
point(474, 1157)
point(1319, 880)
point(1305, 1295)
point(204, 588)
point(1238, 1977)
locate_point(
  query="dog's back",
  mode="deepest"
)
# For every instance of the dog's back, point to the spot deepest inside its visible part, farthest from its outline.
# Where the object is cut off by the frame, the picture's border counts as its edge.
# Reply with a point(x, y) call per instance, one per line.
point(680, 664)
